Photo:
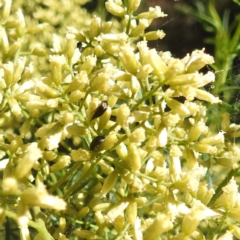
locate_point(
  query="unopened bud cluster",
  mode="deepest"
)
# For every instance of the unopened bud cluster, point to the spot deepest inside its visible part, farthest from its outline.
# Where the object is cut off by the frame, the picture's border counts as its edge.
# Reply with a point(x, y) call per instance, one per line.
point(106, 136)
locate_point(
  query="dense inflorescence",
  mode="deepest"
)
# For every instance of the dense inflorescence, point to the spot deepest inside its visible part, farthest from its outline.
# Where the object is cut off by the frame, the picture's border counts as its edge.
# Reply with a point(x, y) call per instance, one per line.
point(104, 138)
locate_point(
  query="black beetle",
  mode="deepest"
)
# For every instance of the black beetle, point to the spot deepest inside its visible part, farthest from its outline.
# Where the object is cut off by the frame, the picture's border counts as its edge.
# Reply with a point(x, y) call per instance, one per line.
point(101, 109)
point(96, 143)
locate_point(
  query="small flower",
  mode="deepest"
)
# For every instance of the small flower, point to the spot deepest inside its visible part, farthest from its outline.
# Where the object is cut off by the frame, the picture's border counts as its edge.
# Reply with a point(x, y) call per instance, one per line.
point(31, 154)
point(228, 198)
point(80, 155)
point(213, 140)
point(152, 13)
point(128, 59)
point(178, 107)
point(138, 135)
point(197, 60)
point(133, 5)
point(40, 197)
point(116, 211)
point(161, 224)
point(56, 64)
point(139, 29)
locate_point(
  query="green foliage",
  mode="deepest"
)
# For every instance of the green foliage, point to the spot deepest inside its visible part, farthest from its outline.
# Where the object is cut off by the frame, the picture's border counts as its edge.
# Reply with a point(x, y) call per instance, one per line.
point(224, 36)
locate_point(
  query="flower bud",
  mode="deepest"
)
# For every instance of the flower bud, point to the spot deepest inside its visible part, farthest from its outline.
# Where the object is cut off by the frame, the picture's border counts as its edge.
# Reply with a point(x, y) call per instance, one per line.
point(8, 72)
point(144, 71)
point(134, 157)
point(75, 96)
point(128, 59)
point(15, 47)
point(123, 115)
point(109, 141)
point(103, 120)
point(154, 35)
point(9, 186)
point(49, 155)
point(156, 62)
point(182, 79)
point(162, 136)
point(84, 234)
point(6, 9)
point(119, 223)
point(70, 46)
point(4, 40)
point(44, 90)
point(109, 182)
point(95, 27)
point(15, 108)
point(105, 167)
point(76, 130)
point(83, 212)
point(131, 212)
point(25, 128)
point(133, 5)
point(62, 162)
point(122, 151)
point(191, 158)
point(178, 107)
point(115, 9)
point(204, 194)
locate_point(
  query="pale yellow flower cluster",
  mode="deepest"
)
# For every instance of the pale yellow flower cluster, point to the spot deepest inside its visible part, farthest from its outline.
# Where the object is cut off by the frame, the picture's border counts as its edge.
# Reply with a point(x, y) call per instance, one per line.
point(110, 137)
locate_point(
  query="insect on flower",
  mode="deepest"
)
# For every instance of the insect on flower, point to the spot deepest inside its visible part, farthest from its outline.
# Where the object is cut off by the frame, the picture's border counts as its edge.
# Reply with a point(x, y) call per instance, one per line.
point(101, 109)
point(96, 143)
